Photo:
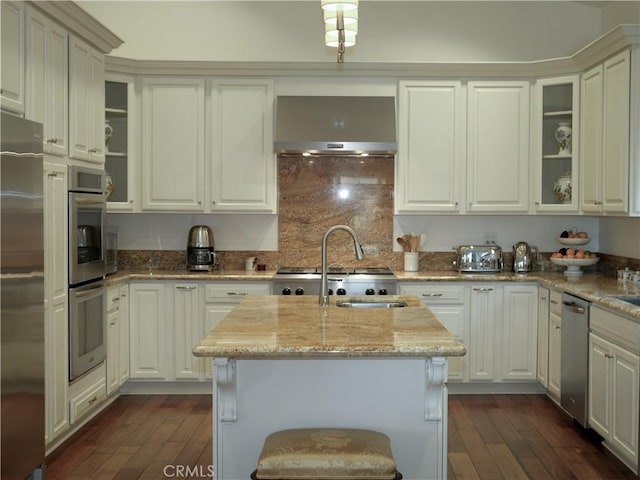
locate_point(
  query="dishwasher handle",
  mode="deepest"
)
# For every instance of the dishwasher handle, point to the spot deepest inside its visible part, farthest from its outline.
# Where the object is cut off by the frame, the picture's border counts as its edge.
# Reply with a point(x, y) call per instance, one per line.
point(575, 308)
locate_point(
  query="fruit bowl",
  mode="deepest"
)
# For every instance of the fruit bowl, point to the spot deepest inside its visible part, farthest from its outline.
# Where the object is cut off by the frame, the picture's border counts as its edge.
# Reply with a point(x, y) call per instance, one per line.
point(573, 241)
point(573, 264)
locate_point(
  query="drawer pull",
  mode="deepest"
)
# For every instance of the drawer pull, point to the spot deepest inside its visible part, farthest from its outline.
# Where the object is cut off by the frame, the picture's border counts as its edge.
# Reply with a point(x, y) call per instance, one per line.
point(432, 294)
point(555, 302)
point(52, 140)
point(483, 289)
point(238, 293)
point(557, 327)
point(93, 400)
point(185, 287)
point(93, 150)
point(606, 355)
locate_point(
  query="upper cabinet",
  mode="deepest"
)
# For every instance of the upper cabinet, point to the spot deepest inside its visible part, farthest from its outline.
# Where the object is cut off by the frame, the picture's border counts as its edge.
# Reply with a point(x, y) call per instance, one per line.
point(498, 147)
point(121, 134)
point(431, 146)
point(47, 74)
point(235, 152)
point(243, 167)
point(86, 102)
point(13, 56)
point(556, 144)
point(173, 123)
point(605, 95)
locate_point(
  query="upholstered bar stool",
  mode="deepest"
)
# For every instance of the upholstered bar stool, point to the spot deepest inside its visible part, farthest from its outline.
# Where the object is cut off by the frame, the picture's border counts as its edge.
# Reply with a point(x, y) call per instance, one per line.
point(326, 454)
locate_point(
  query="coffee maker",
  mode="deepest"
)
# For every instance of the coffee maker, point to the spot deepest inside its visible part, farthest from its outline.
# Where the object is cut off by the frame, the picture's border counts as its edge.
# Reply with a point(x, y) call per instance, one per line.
point(200, 249)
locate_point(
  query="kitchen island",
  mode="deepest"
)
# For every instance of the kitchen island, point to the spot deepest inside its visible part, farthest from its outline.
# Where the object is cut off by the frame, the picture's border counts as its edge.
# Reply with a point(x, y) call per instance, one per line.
point(285, 362)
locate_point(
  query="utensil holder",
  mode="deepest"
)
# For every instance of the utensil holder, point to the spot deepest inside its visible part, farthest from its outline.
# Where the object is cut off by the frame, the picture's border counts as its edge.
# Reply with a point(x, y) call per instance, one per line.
point(410, 261)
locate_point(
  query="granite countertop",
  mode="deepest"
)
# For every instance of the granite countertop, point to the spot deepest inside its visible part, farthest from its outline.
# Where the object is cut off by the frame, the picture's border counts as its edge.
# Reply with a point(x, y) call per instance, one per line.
point(279, 326)
point(598, 289)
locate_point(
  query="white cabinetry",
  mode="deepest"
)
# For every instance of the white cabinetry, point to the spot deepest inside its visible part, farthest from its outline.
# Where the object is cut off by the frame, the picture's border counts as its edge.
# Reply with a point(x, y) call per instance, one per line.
point(243, 166)
point(173, 119)
point(519, 332)
point(450, 303)
point(614, 382)
point(431, 146)
point(86, 102)
point(56, 324)
point(121, 105)
point(221, 297)
point(543, 337)
point(556, 103)
point(484, 339)
point(187, 330)
point(555, 344)
point(117, 337)
point(47, 74)
point(13, 56)
point(498, 146)
point(149, 342)
point(605, 136)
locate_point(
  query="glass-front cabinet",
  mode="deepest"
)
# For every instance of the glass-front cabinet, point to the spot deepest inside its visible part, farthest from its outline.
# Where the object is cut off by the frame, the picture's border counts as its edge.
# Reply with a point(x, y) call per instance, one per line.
point(556, 152)
point(120, 140)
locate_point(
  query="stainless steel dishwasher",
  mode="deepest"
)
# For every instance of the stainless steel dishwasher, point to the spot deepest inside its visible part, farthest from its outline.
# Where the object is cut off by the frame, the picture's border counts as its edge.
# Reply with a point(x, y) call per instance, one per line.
point(574, 357)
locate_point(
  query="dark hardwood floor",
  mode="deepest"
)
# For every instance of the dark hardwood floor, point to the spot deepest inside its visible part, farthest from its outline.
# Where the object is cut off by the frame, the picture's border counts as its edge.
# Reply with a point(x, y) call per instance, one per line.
point(507, 437)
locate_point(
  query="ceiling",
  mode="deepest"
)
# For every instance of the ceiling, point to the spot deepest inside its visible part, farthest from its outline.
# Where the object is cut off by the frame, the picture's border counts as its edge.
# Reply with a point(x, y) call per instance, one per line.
point(407, 31)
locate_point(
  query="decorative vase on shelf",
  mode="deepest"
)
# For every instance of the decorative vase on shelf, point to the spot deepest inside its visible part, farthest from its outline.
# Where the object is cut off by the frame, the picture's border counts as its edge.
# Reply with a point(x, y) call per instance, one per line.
point(109, 186)
point(108, 133)
point(562, 188)
point(563, 137)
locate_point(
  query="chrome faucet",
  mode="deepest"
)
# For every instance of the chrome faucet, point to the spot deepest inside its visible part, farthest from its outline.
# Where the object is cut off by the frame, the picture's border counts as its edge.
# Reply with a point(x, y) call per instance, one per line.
point(323, 299)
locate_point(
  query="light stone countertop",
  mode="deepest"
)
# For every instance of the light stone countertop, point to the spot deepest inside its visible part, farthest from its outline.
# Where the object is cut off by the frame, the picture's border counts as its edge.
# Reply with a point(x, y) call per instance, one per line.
point(279, 326)
point(598, 289)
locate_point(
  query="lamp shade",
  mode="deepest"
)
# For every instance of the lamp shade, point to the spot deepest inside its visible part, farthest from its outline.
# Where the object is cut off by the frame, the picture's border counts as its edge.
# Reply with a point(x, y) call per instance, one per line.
point(331, 16)
point(334, 41)
point(334, 5)
point(332, 31)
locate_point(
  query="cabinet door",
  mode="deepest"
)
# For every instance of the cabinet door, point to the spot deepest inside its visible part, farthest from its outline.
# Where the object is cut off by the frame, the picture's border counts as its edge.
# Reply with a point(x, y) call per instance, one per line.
point(600, 385)
point(591, 125)
point(243, 166)
point(624, 414)
point(147, 310)
point(543, 336)
point(47, 80)
point(186, 330)
point(173, 144)
point(519, 332)
point(113, 339)
point(498, 147)
point(485, 318)
point(455, 318)
point(56, 312)
point(13, 56)
point(431, 146)
point(124, 335)
point(615, 135)
point(86, 102)
point(555, 347)
point(557, 103)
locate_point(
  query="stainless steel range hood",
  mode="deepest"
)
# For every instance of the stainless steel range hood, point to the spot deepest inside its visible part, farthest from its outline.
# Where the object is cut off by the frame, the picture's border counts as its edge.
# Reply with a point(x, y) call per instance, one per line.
point(335, 125)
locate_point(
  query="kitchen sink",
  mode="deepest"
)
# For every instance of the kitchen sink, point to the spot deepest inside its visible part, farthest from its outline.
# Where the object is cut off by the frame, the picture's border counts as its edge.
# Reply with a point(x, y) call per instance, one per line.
point(357, 303)
point(635, 300)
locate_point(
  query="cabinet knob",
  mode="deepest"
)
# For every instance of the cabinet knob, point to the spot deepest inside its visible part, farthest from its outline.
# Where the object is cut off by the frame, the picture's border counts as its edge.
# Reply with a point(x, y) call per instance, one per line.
point(606, 355)
point(52, 140)
point(93, 150)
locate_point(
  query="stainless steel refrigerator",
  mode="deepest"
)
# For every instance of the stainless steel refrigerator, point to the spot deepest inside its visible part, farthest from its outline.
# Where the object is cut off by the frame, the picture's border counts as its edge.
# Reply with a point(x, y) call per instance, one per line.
point(22, 300)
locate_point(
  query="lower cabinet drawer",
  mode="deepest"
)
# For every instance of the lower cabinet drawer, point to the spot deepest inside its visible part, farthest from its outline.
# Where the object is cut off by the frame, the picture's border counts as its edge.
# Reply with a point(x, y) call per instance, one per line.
point(435, 293)
point(87, 399)
point(235, 290)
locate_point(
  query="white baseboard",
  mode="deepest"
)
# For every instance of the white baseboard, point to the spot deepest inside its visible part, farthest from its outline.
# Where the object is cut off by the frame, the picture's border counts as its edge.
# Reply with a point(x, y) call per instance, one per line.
point(134, 387)
point(495, 388)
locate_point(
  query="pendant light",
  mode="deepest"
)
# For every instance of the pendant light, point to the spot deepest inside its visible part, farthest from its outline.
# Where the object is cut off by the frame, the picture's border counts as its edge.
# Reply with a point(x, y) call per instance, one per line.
point(341, 24)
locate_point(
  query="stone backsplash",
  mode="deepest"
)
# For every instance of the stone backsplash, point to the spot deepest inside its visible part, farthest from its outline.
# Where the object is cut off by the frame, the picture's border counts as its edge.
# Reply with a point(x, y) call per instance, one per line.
point(318, 192)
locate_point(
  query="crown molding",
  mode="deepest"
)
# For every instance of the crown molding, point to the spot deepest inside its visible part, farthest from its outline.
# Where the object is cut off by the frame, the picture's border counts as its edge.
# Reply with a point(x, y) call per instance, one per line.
point(605, 46)
point(78, 21)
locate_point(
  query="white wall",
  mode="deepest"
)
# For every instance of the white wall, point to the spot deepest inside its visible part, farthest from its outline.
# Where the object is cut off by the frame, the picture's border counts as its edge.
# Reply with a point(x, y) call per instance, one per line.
point(389, 31)
point(444, 233)
point(616, 13)
point(620, 236)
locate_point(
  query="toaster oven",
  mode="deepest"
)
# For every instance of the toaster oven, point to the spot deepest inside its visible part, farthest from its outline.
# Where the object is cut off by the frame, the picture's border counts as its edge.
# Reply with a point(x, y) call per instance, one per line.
point(479, 259)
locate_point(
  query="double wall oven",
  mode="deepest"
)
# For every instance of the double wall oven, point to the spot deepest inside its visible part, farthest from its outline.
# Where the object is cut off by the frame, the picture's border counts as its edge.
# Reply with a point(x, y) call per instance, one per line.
point(87, 255)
